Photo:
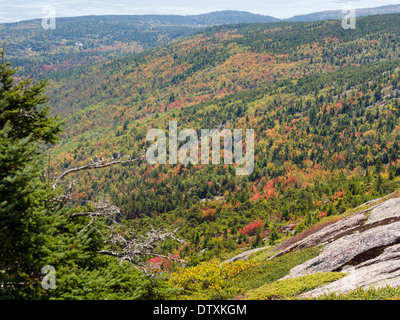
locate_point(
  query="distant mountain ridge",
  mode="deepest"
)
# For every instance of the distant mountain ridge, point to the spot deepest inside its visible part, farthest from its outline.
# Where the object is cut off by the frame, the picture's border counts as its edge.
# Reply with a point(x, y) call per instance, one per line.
point(337, 14)
point(228, 17)
point(235, 17)
point(83, 40)
point(199, 20)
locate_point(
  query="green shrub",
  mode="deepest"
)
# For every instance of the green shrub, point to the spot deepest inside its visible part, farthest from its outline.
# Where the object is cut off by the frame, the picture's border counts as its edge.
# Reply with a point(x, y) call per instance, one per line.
point(288, 288)
point(267, 271)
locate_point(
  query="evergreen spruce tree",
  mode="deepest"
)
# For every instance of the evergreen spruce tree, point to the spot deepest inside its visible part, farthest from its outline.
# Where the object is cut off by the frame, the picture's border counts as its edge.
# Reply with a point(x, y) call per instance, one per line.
point(274, 235)
point(21, 215)
point(35, 231)
point(24, 125)
point(257, 241)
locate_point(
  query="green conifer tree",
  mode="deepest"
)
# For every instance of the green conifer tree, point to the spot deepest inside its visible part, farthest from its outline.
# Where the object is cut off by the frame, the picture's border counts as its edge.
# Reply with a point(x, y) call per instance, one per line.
point(35, 230)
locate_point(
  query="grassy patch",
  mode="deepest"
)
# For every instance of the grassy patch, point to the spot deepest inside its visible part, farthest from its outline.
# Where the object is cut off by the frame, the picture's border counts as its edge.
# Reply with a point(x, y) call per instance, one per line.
point(385, 293)
point(267, 271)
point(289, 288)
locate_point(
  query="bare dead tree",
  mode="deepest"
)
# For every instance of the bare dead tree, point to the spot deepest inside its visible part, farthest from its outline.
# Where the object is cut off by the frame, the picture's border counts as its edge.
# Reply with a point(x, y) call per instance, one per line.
point(96, 164)
point(126, 245)
point(133, 247)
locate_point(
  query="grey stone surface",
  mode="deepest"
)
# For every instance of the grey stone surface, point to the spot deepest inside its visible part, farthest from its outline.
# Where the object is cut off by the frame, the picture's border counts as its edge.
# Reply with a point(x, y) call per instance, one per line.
point(382, 213)
point(351, 249)
point(366, 246)
point(329, 233)
point(379, 272)
point(387, 210)
point(245, 255)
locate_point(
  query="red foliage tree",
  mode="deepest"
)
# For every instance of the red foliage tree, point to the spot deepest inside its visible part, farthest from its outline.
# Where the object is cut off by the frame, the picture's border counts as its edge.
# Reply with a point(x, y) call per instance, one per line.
point(252, 228)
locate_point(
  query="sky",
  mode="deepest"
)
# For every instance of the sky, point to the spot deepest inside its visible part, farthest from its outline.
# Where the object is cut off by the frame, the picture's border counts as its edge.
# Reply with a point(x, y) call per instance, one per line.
point(17, 10)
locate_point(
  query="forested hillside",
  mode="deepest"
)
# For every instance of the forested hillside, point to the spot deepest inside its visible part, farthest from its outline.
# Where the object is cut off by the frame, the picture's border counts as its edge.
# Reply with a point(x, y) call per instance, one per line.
point(82, 41)
point(322, 101)
point(78, 41)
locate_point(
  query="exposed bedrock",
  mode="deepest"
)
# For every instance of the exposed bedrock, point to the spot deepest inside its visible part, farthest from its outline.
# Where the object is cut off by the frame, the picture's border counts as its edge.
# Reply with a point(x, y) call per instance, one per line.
point(366, 246)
